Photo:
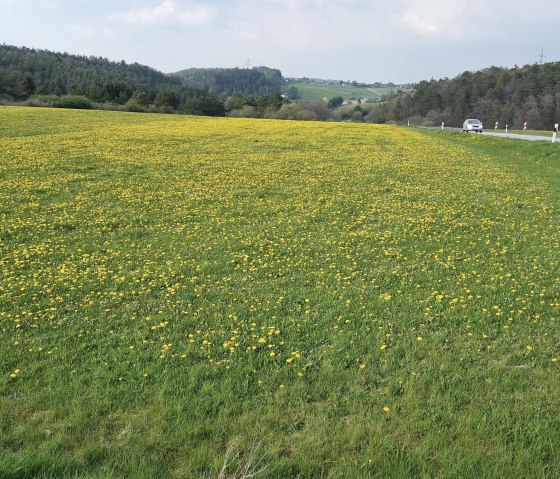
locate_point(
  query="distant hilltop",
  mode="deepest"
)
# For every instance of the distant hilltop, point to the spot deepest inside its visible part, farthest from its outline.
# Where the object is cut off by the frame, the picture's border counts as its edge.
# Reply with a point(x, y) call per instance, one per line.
point(227, 81)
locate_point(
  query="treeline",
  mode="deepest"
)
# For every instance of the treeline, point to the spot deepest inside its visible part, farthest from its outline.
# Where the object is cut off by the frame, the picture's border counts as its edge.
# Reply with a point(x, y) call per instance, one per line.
point(511, 96)
point(49, 77)
point(228, 81)
point(277, 107)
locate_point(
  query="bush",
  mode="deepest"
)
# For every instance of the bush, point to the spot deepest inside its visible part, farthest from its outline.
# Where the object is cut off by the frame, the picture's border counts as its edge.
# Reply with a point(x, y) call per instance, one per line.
point(335, 102)
point(357, 115)
point(287, 112)
point(69, 101)
point(42, 100)
point(306, 115)
point(246, 111)
point(134, 106)
point(319, 108)
point(74, 101)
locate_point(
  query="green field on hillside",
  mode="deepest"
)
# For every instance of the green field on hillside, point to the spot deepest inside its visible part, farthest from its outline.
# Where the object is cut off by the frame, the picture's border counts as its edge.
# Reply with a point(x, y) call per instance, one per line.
point(189, 297)
point(313, 91)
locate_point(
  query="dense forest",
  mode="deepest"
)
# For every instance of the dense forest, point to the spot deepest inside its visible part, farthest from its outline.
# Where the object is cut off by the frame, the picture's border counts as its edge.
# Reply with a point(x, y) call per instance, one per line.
point(228, 81)
point(510, 96)
point(42, 74)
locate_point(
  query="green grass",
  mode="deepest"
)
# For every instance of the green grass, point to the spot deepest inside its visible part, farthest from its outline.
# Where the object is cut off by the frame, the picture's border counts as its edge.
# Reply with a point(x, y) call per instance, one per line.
point(333, 300)
point(531, 159)
point(313, 92)
point(525, 132)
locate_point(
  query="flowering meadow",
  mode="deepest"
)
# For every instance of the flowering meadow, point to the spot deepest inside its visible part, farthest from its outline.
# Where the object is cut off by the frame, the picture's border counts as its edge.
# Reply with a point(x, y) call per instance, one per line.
point(193, 297)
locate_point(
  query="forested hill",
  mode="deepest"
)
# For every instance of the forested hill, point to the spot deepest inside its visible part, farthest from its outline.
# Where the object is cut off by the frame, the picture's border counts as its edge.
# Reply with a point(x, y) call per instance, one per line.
point(509, 95)
point(227, 81)
point(25, 72)
point(62, 73)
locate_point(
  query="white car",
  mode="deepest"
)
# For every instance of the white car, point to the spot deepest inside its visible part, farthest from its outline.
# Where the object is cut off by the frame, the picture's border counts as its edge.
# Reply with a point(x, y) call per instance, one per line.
point(472, 125)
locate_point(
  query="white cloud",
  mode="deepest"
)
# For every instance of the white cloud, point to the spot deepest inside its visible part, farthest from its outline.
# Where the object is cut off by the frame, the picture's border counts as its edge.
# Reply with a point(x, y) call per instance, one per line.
point(303, 27)
point(434, 18)
point(302, 4)
point(166, 12)
point(420, 24)
point(197, 15)
point(88, 31)
point(147, 16)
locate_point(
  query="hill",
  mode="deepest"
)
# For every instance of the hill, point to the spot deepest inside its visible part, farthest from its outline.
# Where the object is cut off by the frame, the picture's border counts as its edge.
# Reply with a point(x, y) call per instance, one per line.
point(509, 95)
point(228, 81)
point(61, 73)
point(317, 91)
point(313, 91)
point(25, 72)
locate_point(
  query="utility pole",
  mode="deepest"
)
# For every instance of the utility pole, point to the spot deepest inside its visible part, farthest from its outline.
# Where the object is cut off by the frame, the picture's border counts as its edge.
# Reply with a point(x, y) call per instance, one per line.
point(541, 57)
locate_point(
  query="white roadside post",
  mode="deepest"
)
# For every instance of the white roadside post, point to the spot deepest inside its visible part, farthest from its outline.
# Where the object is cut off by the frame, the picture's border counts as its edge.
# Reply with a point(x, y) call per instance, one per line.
point(506, 128)
point(525, 126)
point(442, 125)
point(554, 132)
point(496, 125)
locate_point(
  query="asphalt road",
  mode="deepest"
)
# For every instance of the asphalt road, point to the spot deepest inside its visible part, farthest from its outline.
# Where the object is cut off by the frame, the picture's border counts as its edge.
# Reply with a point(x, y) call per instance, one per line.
point(512, 135)
point(520, 137)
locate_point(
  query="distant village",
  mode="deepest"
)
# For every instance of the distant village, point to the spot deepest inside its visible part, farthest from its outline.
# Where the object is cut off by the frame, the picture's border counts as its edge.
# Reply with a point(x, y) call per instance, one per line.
point(347, 83)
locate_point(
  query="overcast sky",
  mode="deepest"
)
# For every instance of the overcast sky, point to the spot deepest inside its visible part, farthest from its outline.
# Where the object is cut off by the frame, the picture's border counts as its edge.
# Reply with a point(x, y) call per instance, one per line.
point(363, 40)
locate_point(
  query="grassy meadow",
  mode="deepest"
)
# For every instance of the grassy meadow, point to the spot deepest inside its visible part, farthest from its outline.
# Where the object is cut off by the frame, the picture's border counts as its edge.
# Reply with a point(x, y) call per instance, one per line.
point(316, 91)
point(186, 297)
point(526, 132)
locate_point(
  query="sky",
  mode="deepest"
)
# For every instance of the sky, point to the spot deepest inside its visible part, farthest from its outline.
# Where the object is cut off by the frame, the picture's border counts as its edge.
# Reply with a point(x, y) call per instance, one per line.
point(402, 41)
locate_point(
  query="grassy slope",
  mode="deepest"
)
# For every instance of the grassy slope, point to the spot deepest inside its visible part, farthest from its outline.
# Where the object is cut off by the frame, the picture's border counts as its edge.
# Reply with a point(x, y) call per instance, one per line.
point(531, 159)
point(528, 132)
point(170, 287)
point(312, 91)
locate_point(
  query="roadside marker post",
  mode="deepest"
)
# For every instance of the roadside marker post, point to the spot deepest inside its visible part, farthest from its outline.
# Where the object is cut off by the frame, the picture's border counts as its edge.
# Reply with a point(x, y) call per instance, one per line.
point(525, 125)
point(496, 125)
point(555, 131)
point(442, 125)
point(506, 128)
